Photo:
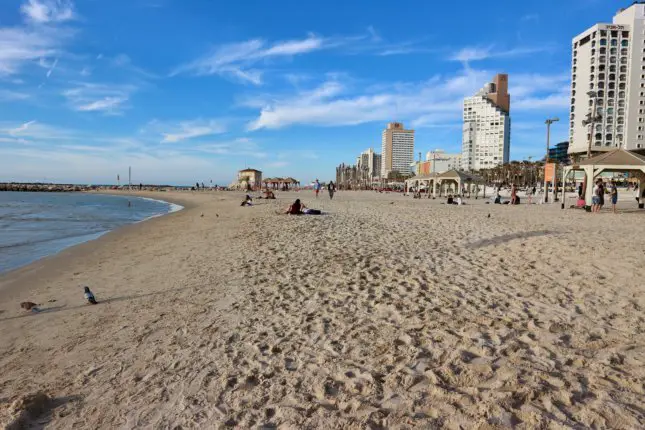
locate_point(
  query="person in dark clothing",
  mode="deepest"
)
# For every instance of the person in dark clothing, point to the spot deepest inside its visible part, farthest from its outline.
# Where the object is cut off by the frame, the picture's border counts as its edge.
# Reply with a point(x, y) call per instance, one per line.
point(331, 188)
point(296, 208)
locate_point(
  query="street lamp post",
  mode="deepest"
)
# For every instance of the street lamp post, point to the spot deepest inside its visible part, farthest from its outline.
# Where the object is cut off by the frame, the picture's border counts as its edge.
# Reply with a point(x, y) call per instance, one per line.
point(548, 123)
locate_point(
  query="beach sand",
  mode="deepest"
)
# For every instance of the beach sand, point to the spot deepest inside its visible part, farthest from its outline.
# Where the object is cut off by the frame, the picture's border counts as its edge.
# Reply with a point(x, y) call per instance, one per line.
point(387, 312)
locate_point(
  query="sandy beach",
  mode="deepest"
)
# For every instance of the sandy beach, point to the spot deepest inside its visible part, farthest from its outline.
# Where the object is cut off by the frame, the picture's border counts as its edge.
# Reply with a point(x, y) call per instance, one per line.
point(386, 312)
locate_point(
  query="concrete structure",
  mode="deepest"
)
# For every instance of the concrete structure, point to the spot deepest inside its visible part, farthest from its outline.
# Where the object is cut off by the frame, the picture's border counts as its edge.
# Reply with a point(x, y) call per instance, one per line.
point(608, 82)
point(397, 150)
point(486, 140)
point(453, 182)
point(559, 153)
point(370, 163)
point(248, 179)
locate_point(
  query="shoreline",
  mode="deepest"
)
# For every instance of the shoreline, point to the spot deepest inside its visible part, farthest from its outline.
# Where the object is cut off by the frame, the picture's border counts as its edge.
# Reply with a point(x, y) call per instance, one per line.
point(35, 269)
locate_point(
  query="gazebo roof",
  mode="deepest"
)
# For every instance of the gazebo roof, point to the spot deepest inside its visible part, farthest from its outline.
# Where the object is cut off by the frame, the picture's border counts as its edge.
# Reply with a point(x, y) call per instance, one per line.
point(617, 157)
point(458, 174)
point(250, 170)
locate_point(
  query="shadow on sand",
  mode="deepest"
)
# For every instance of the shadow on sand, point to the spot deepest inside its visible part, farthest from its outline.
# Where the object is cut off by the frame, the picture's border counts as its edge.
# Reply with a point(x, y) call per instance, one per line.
point(63, 308)
point(508, 237)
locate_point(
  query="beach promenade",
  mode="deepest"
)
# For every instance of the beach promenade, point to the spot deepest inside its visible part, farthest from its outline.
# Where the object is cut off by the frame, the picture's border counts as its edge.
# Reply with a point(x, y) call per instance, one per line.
point(387, 312)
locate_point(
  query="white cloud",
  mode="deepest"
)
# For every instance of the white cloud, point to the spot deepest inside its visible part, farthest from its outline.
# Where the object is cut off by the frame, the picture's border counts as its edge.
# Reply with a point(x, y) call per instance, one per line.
point(20, 129)
point(237, 59)
point(436, 102)
point(48, 11)
point(51, 69)
point(9, 95)
point(470, 54)
point(91, 97)
point(186, 130)
point(21, 45)
point(106, 104)
point(325, 105)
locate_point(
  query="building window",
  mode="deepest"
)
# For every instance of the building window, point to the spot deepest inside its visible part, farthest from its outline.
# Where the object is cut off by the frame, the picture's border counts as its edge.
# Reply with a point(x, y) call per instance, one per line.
point(624, 43)
point(603, 42)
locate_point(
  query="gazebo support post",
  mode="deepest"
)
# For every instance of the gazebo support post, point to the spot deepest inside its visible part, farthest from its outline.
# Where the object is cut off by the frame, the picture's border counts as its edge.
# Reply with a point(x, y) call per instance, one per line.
point(589, 180)
point(565, 173)
point(641, 184)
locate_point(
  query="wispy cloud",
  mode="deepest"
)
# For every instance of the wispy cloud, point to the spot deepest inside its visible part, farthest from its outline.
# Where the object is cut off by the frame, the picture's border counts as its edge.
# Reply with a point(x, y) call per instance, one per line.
point(48, 11)
point(20, 129)
point(331, 104)
point(21, 45)
point(10, 95)
point(186, 130)
point(178, 131)
point(237, 60)
point(479, 53)
point(105, 98)
point(436, 102)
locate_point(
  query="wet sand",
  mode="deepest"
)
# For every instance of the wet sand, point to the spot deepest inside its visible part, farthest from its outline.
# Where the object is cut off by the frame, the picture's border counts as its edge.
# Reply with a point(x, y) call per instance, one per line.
point(386, 312)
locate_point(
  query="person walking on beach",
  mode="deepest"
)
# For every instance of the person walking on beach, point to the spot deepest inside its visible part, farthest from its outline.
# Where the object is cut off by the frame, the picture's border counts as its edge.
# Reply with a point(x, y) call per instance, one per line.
point(595, 199)
point(513, 194)
point(331, 188)
point(613, 191)
point(317, 187)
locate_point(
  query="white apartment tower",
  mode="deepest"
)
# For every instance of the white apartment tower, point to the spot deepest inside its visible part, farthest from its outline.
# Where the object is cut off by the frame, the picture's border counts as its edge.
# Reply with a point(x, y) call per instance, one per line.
point(486, 140)
point(608, 82)
point(371, 161)
point(397, 149)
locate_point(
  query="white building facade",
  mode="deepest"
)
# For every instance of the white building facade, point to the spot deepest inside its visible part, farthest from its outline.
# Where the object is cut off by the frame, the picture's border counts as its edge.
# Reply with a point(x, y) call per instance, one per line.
point(441, 162)
point(486, 138)
point(397, 150)
point(608, 80)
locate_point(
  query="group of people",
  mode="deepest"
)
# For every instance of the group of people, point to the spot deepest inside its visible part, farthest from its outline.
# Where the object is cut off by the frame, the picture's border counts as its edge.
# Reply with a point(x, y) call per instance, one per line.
point(598, 198)
point(331, 188)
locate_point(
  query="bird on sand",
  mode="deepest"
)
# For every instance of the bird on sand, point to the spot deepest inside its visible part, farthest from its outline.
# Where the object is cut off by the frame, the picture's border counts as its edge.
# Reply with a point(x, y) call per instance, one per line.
point(89, 296)
point(28, 306)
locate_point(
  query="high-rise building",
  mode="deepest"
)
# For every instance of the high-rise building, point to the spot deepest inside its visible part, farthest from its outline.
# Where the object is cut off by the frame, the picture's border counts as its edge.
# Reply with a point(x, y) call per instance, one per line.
point(397, 150)
point(370, 161)
point(486, 140)
point(608, 83)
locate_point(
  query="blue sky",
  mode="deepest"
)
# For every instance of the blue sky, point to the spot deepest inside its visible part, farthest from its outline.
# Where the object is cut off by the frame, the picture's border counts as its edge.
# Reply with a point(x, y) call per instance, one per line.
point(187, 91)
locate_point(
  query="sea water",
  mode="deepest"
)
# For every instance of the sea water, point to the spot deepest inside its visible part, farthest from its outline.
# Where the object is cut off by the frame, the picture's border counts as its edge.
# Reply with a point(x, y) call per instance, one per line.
point(36, 225)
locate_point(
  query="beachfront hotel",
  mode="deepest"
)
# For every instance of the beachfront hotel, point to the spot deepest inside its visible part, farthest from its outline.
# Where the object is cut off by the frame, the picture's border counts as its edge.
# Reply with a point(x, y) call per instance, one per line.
point(608, 85)
point(486, 140)
point(397, 149)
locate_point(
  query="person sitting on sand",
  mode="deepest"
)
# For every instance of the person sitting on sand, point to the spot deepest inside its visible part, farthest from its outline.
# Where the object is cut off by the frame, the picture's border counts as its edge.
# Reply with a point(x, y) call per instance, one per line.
point(268, 194)
point(89, 296)
point(296, 208)
point(248, 201)
point(450, 200)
